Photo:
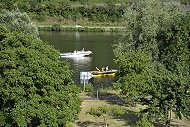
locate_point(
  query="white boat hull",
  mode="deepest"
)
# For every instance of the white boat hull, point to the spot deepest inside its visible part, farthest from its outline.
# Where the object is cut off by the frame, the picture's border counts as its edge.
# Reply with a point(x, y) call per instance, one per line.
point(76, 54)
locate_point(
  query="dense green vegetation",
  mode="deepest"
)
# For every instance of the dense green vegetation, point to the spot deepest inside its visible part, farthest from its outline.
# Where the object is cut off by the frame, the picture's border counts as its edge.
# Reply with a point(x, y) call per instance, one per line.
point(153, 55)
point(184, 1)
point(36, 87)
point(72, 10)
point(17, 21)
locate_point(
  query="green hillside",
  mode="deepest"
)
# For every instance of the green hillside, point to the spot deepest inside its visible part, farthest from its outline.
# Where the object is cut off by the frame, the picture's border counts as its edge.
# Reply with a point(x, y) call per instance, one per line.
point(73, 11)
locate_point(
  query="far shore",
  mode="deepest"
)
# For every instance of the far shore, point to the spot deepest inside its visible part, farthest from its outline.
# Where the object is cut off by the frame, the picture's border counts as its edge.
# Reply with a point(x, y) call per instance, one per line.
point(57, 27)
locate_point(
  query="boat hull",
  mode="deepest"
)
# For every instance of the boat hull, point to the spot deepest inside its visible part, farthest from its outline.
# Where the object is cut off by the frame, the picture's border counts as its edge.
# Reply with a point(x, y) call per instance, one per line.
point(104, 73)
point(76, 54)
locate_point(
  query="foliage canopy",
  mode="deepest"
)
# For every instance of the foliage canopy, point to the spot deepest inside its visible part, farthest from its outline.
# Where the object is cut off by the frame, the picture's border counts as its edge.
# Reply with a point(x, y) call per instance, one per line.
point(36, 87)
point(18, 21)
point(154, 57)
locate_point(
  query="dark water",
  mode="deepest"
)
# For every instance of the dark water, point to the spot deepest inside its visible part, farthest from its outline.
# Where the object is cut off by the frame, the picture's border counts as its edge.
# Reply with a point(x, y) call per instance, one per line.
point(100, 43)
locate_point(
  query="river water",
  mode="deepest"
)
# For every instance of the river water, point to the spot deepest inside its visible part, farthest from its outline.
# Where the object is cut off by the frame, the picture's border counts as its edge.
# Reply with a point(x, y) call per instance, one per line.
point(100, 43)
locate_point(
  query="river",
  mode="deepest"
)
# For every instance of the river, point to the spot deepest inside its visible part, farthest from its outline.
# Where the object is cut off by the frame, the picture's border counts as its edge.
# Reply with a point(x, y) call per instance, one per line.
point(100, 43)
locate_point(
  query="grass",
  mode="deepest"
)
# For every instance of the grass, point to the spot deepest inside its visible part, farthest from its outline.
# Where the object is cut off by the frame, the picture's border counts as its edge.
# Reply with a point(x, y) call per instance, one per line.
point(85, 120)
point(127, 120)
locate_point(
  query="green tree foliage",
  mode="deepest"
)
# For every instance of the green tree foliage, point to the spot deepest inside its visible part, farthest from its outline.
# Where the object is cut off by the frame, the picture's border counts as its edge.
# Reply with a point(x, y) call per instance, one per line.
point(8, 4)
point(73, 11)
point(134, 72)
point(153, 57)
point(36, 87)
point(145, 18)
point(171, 81)
point(17, 21)
point(184, 1)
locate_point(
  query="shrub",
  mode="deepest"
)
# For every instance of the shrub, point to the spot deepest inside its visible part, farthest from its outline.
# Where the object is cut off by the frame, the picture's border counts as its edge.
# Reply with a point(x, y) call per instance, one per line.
point(56, 27)
point(144, 122)
point(89, 88)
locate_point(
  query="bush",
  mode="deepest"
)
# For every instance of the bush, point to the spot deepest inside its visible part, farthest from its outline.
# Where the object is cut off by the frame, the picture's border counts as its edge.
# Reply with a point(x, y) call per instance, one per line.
point(89, 88)
point(41, 17)
point(144, 122)
point(56, 27)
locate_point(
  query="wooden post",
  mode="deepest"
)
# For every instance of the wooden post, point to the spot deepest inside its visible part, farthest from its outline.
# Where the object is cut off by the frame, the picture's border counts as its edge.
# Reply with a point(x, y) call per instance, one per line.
point(84, 84)
point(97, 94)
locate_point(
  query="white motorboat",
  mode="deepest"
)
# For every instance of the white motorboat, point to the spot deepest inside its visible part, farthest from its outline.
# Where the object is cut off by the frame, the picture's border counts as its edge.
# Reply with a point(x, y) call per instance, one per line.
point(76, 53)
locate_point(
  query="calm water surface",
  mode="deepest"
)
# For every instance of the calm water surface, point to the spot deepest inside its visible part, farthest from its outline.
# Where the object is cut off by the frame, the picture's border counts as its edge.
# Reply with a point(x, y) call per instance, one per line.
point(100, 43)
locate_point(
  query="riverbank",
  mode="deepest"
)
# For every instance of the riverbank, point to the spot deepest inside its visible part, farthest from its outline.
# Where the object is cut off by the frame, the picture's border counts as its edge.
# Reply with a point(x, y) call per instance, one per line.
point(57, 27)
point(61, 24)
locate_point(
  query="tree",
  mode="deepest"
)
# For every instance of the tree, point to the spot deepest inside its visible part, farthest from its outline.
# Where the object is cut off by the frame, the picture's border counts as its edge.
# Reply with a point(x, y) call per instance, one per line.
point(184, 1)
point(144, 19)
point(134, 74)
point(156, 42)
point(8, 4)
point(36, 87)
point(17, 21)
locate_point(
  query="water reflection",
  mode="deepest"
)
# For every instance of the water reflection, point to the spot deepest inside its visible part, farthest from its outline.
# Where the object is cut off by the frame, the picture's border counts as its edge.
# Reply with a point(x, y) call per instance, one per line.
point(77, 35)
point(79, 64)
point(82, 64)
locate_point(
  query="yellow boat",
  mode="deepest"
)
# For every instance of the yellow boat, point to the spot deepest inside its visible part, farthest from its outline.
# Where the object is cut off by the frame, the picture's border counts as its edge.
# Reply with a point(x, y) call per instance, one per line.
point(103, 73)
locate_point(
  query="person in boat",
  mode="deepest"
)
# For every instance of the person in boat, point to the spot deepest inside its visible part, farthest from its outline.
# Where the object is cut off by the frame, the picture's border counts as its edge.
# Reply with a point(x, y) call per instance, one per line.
point(107, 68)
point(97, 69)
point(103, 68)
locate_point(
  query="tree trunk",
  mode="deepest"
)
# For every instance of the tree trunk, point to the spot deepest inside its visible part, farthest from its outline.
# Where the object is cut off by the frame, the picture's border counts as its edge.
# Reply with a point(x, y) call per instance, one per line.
point(169, 119)
point(105, 121)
